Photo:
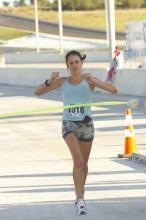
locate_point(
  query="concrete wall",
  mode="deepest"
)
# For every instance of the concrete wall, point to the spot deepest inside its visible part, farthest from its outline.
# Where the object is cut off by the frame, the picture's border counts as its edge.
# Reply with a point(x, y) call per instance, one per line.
point(35, 76)
point(131, 81)
point(128, 81)
point(50, 57)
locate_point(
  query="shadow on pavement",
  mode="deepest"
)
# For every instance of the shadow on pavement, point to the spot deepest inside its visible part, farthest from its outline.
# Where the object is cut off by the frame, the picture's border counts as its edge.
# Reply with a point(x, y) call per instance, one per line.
point(130, 208)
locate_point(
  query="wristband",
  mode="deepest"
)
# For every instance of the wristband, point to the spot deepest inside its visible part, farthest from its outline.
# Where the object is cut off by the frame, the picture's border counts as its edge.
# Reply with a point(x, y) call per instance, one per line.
point(46, 83)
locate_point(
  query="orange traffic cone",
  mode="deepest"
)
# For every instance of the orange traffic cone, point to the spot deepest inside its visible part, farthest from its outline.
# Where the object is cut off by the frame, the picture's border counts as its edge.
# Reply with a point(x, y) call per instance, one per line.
point(130, 142)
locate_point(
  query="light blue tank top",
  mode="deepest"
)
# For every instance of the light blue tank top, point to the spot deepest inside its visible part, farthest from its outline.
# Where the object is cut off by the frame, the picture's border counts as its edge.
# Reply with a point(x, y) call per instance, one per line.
point(73, 95)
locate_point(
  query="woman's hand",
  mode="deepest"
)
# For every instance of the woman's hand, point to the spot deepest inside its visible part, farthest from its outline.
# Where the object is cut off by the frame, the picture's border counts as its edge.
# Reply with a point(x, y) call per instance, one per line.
point(88, 77)
point(54, 76)
point(49, 84)
point(95, 82)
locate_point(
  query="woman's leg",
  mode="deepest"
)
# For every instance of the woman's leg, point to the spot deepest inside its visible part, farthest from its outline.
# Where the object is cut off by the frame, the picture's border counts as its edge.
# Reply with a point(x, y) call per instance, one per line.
point(85, 149)
point(80, 152)
point(78, 164)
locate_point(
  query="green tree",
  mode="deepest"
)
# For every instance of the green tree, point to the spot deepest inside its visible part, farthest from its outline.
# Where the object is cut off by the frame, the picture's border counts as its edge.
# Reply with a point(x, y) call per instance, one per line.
point(68, 5)
point(19, 3)
point(22, 2)
point(5, 3)
point(83, 5)
point(43, 3)
point(90, 4)
point(98, 4)
point(136, 3)
point(130, 3)
point(32, 2)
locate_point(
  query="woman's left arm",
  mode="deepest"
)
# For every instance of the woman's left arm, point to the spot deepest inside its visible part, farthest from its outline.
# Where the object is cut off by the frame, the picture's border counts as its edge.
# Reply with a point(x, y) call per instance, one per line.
point(95, 82)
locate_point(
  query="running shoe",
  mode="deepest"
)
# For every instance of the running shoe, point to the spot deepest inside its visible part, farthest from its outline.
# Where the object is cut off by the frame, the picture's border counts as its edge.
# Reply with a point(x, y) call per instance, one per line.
point(80, 207)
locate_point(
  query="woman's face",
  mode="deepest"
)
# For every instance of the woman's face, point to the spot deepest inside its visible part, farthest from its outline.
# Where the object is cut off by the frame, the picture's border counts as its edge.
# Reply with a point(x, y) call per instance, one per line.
point(74, 63)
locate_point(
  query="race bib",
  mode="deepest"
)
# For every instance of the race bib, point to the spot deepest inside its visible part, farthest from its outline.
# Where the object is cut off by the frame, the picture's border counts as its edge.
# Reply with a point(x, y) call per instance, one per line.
point(76, 111)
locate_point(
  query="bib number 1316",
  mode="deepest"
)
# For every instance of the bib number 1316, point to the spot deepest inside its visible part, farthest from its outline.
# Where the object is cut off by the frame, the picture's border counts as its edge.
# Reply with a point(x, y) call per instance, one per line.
point(76, 111)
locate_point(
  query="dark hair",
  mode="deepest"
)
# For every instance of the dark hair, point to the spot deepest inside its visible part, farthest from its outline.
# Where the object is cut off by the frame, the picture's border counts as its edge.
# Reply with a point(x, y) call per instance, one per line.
point(76, 53)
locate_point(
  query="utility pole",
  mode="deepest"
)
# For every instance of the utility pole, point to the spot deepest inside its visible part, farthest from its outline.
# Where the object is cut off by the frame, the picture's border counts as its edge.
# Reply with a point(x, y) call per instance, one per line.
point(110, 13)
point(60, 25)
point(36, 25)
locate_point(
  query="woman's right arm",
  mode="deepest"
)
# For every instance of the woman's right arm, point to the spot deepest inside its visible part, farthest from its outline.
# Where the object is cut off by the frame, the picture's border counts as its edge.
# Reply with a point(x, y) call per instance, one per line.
point(50, 84)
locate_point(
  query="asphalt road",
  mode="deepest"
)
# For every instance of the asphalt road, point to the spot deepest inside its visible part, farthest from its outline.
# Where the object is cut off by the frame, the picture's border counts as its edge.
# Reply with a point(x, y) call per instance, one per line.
point(52, 28)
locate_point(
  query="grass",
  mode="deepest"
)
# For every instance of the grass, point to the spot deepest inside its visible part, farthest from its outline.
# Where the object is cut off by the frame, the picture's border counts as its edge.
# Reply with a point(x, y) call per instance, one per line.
point(11, 33)
point(89, 19)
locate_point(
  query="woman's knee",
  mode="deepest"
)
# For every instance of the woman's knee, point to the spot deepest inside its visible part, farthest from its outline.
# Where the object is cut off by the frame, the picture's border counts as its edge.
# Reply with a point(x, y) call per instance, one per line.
point(78, 163)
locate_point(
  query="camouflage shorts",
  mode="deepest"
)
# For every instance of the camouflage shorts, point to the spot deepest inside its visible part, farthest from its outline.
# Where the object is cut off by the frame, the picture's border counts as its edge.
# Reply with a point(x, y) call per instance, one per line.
point(83, 131)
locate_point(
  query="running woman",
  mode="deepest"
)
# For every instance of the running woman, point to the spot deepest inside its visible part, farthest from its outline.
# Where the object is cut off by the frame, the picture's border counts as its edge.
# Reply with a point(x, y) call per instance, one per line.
point(77, 124)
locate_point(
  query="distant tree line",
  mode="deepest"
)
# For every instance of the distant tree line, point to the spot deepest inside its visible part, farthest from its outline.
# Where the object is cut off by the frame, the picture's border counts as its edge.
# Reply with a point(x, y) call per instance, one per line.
point(16, 3)
point(81, 4)
point(90, 4)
